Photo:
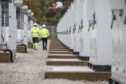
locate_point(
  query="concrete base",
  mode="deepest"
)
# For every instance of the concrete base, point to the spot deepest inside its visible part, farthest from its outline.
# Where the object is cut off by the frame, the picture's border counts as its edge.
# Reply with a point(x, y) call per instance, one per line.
point(21, 49)
point(30, 45)
point(65, 56)
point(76, 73)
point(5, 57)
point(60, 52)
point(85, 58)
point(75, 62)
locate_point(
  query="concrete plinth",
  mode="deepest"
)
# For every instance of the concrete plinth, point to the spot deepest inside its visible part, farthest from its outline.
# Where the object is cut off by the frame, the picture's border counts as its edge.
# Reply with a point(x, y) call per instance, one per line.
point(30, 45)
point(21, 49)
point(5, 57)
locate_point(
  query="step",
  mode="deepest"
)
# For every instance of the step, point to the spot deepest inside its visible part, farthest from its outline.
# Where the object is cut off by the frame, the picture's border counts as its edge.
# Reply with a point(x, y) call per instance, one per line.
point(62, 56)
point(76, 62)
point(60, 52)
point(54, 42)
point(75, 73)
point(59, 47)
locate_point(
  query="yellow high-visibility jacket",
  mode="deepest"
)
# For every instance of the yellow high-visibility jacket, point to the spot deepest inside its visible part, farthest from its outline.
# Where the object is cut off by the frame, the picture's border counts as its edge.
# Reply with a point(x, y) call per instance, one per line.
point(44, 33)
point(35, 32)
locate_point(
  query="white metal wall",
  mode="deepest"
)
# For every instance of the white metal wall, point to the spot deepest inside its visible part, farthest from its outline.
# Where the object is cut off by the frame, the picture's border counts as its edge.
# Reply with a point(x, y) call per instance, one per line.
point(11, 39)
point(24, 35)
point(103, 42)
point(25, 30)
point(103, 36)
point(119, 42)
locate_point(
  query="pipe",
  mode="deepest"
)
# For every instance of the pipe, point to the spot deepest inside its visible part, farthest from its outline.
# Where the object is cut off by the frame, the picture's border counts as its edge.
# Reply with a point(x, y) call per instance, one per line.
point(11, 54)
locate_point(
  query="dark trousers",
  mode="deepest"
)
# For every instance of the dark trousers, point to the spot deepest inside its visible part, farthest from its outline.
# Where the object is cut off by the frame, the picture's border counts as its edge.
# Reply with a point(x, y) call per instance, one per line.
point(44, 42)
point(35, 39)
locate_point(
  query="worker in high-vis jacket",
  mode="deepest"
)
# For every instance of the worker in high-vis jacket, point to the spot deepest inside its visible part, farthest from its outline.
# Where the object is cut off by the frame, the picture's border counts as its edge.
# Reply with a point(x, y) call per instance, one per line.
point(44, 34)
point(35, 36)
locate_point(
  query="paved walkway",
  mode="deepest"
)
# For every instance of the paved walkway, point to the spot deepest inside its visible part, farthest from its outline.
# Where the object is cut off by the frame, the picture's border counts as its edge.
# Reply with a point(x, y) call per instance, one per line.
point(30, 69)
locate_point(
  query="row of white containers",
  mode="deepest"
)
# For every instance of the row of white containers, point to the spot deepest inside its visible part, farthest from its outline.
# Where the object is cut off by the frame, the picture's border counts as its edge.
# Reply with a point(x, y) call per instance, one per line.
point(97, 29)
point(15, 23)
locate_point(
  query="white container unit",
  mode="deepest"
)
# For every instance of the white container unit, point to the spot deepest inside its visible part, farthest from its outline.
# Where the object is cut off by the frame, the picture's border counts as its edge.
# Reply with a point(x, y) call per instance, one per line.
point(61, 30)
point(65, 28)
point(80, 24)
point(70, 16)
point(76, 25)
point(82, 30)
point(118, 26)
point(87, 13)
point(9, 26)
point(4, 24)
point(30, 25)
point(30, 20)
point(91, 35)
point(101, 35)
point(19, 36)
point(25, 28)
point(68, 28)
point(71, 26)
point(24, 17)
point(19, 21)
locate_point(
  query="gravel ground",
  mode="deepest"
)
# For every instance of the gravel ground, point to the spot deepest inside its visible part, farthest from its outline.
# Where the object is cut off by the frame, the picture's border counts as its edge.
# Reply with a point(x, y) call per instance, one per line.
point(30, 69)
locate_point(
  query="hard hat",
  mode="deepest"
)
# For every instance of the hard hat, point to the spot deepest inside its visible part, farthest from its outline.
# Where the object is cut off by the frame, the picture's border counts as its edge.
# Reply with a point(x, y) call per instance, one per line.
point(43, 25)
point(35, 24)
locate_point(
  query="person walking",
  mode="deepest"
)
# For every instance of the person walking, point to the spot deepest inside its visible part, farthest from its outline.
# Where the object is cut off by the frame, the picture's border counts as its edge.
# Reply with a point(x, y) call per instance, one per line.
point(35, 36)
point(44, 34)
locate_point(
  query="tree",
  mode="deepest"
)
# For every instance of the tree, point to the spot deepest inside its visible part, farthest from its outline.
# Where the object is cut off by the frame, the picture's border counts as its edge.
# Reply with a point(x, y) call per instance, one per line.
point(35, 6)
point(44, 19)
point(42, 12)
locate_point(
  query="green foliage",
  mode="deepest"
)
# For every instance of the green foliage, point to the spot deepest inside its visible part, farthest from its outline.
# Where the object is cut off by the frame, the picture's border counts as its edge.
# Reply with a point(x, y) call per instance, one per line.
point(43, 13)
point(44, 19)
